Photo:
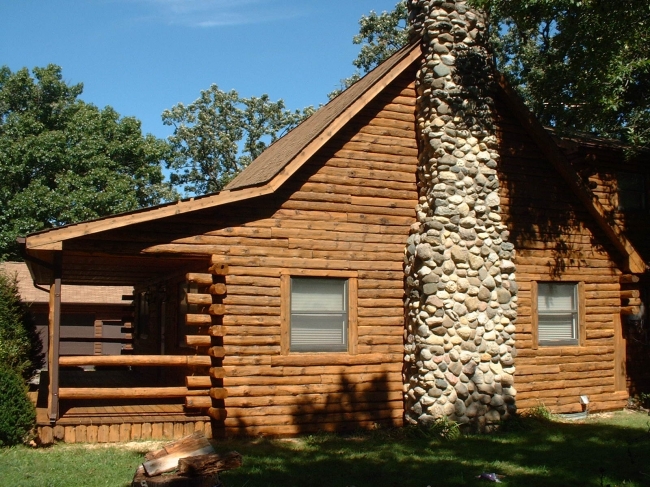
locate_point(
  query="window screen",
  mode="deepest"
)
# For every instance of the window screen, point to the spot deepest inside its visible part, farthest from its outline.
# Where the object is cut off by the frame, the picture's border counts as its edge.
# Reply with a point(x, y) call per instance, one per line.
point(557, 313)
point(319, 314)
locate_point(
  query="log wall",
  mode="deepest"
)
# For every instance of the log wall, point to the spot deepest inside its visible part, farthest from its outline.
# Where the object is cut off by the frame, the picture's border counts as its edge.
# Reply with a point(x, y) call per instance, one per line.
point(556, 240)
point(600, 163)
point(349, 209)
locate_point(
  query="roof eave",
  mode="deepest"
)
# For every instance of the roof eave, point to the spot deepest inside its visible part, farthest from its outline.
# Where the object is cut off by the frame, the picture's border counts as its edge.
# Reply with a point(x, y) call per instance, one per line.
point(53, 239)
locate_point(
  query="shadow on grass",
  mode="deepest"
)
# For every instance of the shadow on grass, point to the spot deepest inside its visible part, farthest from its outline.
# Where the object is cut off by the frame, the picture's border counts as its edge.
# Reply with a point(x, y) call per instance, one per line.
point(537, 453)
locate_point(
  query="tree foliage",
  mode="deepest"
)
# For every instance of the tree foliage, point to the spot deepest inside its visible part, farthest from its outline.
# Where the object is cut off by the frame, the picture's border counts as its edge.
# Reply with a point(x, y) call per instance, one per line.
point(219, 134)
point(63, 160)
point(380, 35)
point(581, 65)
point(17, 413)
point(20, 346)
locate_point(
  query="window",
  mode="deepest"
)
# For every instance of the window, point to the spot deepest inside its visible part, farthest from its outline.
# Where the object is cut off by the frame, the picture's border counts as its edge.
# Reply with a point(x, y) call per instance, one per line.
point(319, 312)
point(558, 317)
point(631, 191)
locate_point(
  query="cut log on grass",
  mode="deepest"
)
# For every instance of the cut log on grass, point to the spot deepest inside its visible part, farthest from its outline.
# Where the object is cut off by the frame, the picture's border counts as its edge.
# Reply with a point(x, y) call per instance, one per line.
point(193, 456)
point(166, 459)
point(209, 464)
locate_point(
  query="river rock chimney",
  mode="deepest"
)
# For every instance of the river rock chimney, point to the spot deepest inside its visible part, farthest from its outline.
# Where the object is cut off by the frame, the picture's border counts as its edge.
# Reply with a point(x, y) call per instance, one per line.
point(461, 294)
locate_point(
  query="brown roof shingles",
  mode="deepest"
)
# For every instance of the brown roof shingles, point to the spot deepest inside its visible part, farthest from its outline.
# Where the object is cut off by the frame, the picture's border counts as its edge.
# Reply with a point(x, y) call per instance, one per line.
point(282, 151)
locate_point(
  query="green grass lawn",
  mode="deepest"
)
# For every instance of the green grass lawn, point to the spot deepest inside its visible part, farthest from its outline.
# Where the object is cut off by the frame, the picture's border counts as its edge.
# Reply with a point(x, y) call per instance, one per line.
point(608, 450)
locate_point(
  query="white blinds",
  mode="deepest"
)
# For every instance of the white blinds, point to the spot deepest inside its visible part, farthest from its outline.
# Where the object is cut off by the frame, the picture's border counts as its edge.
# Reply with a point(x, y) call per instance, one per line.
point(556, 327)
point(318, 314)
point(554, 297)
point(317, 295)
point(557, 313)
point(317, 330)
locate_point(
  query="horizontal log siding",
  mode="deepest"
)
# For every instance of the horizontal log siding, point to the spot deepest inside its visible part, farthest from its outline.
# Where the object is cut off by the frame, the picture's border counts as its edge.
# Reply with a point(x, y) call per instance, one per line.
point(349, 208)
point(600, 164)
point(556, 239)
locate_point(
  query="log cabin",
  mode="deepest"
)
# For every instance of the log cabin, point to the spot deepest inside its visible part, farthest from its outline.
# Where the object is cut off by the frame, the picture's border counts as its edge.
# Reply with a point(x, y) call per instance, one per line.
point(277, 306)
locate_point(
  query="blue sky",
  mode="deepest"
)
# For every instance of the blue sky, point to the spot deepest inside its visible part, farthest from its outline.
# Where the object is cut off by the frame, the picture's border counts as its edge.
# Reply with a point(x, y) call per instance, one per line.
point(144, 56)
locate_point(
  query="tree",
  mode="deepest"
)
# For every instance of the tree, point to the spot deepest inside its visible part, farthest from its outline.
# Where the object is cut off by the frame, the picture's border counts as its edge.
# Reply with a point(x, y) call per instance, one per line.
point(17, 413)
point(20, 346)
point(380, 35)
point(219, 134)
point(63, 160)
point(580, 65)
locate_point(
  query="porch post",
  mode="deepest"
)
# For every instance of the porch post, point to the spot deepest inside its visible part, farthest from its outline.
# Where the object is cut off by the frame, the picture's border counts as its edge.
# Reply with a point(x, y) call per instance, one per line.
point(54, 334)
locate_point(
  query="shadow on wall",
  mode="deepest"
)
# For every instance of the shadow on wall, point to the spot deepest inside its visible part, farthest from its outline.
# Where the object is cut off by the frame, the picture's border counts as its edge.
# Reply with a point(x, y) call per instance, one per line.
point(621, 179)
point(623, 191)
point(328, 403)
point(542, 212)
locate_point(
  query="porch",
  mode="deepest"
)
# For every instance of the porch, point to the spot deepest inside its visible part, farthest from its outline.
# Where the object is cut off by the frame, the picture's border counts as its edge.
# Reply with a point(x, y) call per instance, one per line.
point(105, 419)
point(167, 382)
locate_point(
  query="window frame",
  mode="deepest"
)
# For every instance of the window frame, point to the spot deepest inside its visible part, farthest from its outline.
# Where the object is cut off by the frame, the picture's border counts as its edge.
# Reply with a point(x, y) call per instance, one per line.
point(580, 333)
point(285, 309)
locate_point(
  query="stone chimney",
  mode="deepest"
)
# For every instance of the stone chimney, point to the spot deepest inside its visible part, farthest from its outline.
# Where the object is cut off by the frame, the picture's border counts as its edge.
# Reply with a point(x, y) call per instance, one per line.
point(460, 277)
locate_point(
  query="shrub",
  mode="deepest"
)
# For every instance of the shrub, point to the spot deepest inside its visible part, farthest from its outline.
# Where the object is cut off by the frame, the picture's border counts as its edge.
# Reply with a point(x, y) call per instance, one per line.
point(639, 401)
point(17, 413)
point(20, 346)
point(540, 413)
point(442, 428)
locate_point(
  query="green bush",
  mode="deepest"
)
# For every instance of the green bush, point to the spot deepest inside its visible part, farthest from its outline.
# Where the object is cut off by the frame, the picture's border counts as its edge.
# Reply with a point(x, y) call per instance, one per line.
point(540, 413)
point(442, 428)
point(20, 346)
point(17, 413)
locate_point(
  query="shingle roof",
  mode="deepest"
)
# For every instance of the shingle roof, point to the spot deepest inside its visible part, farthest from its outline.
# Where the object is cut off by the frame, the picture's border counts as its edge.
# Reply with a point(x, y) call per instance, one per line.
point(261, 171)
point(280, 153)
point(69, 294)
